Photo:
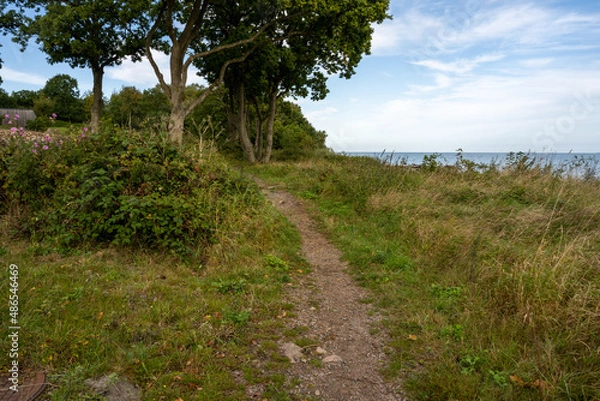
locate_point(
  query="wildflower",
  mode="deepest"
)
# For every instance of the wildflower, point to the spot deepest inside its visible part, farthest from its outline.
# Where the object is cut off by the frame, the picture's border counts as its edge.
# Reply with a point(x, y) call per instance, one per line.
point(54, 115)
point(35, 145)
point(33, 151)
point(16, 116)
point(85, 129)
point(6, 116)
point(45, 147)
point(9, 122)
point(13, 130)
point(83, 134)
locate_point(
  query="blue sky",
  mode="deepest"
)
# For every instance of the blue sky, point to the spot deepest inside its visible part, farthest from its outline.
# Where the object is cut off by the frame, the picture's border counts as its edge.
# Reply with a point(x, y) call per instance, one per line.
point(483, 76)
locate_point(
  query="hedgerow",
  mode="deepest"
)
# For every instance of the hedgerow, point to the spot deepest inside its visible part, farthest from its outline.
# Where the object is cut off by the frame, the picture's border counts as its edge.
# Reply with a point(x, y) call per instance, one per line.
point(114, 187)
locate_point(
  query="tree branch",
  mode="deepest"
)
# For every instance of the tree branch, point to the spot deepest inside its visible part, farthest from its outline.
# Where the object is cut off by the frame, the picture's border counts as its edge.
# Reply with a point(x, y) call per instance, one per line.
point(218, 81)
point(161, 79)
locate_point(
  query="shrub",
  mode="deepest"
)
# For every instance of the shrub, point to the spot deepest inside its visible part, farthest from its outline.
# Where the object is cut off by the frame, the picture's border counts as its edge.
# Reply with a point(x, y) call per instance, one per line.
point(115, 188)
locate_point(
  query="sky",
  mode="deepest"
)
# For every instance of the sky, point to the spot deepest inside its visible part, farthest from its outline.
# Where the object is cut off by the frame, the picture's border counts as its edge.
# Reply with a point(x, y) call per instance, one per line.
point(483, 76)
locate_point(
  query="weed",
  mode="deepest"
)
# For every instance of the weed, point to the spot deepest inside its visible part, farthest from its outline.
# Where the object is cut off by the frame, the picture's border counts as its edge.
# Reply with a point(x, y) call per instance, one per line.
point(232, 286)
point(499, 378)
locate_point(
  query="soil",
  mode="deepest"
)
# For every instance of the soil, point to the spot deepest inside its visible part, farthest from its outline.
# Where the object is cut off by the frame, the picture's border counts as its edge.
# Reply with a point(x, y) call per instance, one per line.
point(351, 342)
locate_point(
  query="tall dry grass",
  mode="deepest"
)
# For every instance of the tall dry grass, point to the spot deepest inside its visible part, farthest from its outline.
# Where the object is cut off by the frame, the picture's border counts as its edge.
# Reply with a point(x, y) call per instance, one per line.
point(490, 276)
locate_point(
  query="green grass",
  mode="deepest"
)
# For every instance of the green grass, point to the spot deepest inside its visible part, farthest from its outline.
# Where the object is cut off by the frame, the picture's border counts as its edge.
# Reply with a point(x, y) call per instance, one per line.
point(489, 279)
point(193, 329)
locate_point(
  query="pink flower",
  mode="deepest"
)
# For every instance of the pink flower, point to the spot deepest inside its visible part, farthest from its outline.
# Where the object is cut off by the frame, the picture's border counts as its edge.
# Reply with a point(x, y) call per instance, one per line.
point(45, 147)
point(13, 130)
point(33, 151)
point(35, 145)
point(6, 116)
point(9, 122)
point(54, 115)
point(83, 135)
point(16, 116)
point(85, 129)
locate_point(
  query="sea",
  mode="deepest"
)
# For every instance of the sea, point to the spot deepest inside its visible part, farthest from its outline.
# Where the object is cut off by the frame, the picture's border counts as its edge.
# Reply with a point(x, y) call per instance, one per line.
point(578, 164)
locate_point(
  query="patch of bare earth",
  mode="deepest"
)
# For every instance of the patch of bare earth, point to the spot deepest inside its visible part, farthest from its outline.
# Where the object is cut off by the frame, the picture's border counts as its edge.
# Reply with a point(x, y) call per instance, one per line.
point(328, 305)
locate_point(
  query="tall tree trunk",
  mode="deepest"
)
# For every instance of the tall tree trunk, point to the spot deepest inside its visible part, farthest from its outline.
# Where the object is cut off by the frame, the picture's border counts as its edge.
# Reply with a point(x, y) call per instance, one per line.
point(98, 73)
point(176, 122)
point(270, 126)
point(258, 141)
point(177, 94)
point(242, 126)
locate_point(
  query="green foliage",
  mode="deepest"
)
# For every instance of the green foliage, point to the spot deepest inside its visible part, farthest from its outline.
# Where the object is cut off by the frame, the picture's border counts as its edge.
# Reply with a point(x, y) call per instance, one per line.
point(25, 98)
point(294, 135)
point(39, 124)
point(125, 109)
point(292, 58)
point(60, 95)
point(113, 188)
point(6, 101)
point(232, 286)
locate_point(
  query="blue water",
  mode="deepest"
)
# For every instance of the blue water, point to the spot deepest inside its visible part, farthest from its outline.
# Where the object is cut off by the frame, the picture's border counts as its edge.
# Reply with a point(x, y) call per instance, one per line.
point(579, 164)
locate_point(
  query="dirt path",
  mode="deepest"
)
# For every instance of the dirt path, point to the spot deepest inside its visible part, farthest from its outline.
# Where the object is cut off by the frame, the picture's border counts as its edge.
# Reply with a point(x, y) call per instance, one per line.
point(328, 304)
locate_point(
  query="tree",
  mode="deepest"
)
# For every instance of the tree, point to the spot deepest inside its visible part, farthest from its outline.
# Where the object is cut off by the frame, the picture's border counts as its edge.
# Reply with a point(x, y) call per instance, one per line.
point(89, 34)
point(124, 107)
point(6, 101)
point(61, 93)
point(326, 40)
point(294, 133)
point(25, 98)
point(180, 28)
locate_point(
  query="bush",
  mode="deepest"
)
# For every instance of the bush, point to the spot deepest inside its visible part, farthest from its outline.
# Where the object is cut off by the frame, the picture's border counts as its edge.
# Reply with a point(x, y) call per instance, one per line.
point(113, 188)
point(40, 124)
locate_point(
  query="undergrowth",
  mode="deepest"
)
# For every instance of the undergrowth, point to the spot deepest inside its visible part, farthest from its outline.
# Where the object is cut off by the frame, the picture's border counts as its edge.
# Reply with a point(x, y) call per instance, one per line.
point(118, 188)
point(140, 261)
point(489, 277)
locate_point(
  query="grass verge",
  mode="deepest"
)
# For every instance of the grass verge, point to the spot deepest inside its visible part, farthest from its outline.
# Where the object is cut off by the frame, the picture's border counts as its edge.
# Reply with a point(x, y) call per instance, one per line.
point(489, 278)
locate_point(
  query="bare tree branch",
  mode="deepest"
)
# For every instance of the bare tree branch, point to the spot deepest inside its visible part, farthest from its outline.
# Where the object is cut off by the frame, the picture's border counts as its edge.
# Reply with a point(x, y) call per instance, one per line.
point(218, 81)
point(161, 79)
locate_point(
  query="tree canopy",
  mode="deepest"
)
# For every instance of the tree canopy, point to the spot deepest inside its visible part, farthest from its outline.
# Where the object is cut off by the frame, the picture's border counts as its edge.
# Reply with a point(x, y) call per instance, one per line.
point(294, 57)
point(263, 50)
point(91, 34)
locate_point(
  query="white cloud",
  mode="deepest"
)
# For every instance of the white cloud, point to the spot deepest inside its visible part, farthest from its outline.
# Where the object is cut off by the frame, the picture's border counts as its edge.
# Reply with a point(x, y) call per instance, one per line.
point(141, 73)
point(536, 62)
point(321, 113)
point(523, 25)
point(482, 113)
point(461, 66)
point(409, 28)
point(8, 74)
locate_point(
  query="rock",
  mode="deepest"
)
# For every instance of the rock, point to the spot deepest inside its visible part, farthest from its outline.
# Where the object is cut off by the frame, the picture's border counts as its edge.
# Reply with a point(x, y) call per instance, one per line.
point(320, 351)
point(332, 359)
point(114, 388)
point(292, 351)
